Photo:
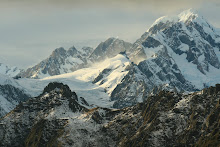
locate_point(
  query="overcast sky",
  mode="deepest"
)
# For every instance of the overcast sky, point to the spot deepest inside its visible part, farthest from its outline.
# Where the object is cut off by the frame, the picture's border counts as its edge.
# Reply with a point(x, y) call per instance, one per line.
point(31, 29)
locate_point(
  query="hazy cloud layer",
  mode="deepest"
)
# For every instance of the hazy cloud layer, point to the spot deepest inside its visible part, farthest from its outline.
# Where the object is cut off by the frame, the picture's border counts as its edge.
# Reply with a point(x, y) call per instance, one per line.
point(169, 5)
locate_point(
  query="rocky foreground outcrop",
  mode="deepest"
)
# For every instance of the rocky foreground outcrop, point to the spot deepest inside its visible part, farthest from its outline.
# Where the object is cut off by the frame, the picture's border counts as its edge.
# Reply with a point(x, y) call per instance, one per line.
point(57, 118)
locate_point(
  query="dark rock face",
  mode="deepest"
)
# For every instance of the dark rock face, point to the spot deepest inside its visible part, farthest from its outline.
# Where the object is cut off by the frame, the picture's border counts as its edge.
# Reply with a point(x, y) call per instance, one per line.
point(151, 43)
point(130, 91)
point(33, 128)
point(101, 75)
point(160, 72)
point(110, 48)
point(197, 47)
point(12, 95)
point(164, 119)
point(171, 119)
point(163, 68)
point(87, 51)
point(64, 89)
point(48, 131)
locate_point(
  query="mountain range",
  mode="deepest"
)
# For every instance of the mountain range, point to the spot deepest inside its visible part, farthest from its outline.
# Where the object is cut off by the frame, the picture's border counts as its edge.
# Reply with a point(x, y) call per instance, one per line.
point(179, 53)
point(162, 73)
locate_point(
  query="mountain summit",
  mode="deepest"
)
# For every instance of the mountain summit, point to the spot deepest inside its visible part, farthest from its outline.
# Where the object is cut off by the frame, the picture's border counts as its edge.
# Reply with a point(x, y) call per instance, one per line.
point(188, 40)
point(59, 62)
point(108, 49)
point(185, 16)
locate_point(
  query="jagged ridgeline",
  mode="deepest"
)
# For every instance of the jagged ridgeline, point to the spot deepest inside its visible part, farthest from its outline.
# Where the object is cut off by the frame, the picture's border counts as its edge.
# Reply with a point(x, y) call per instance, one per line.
point(57, 118)
point(63, 61)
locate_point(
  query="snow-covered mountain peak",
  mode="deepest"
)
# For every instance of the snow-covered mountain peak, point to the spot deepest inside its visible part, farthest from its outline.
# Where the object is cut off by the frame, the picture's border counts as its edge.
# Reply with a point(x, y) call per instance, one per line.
point(187, 15)
point(59, 51)
point(108, 49)
point(59, 62)
point(194, 18)
point(164, 19)
point(86, 51)
point(72, 50)
point(187, 40)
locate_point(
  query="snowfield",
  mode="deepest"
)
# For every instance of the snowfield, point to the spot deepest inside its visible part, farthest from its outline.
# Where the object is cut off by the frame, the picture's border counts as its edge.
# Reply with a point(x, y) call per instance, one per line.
point(80, 81)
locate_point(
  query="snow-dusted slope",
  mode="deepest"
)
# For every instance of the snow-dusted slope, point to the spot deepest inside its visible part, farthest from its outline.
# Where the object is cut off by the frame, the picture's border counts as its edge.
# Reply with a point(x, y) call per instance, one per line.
point(111, 72)
point(63, 61)
point(55, 118)
point(95, 83)
point(11, 93)
point(60, 61)
point(10, 71)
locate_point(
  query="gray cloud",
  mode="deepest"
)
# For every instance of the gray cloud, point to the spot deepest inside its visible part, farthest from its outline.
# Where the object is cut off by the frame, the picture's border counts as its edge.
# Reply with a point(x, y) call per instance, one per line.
point(109, 3)
point(73, 3)
point(156, 6)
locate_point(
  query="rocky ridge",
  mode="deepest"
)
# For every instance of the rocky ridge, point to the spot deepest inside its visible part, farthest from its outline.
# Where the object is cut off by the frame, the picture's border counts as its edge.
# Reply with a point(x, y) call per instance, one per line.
point(108, 49)
point(167, 118)
point(59, 62)
point(65, 61)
